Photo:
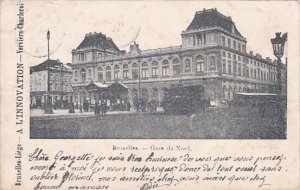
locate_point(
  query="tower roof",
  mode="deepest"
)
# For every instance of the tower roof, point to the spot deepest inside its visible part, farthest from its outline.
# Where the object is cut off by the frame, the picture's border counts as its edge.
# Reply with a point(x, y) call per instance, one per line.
point(211, 18)
point(98, 40)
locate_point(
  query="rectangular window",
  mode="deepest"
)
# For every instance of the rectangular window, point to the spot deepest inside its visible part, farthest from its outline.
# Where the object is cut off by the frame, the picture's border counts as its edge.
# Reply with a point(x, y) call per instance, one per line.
point(108, 76)
point(154, 71)
point(145, 73)
point(224, 66)
point(125, 74)
point(229, 43)
point(223, 41)
point(229, 67)
point(244, 47)
point(234, 44)
point(223, 54)
point(82, 56)
point(135, 74)
point(100, 76)
point(229, 55)
point(187, 66)
point(234, 67)
point(116, 75)
point(165, 71)
point(176, 70)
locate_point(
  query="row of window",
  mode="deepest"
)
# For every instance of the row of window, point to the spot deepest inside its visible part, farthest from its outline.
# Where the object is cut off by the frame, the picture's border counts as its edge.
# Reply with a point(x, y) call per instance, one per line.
point(38, 76)
point(233, 44)
point(246, 60)
point(246, 72)
point(145, 70)
point(53, 87)
point(58, 78)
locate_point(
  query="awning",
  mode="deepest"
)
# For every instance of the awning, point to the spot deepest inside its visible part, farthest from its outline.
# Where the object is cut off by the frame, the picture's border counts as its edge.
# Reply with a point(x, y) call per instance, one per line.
point(113, 88)
point(117, 87)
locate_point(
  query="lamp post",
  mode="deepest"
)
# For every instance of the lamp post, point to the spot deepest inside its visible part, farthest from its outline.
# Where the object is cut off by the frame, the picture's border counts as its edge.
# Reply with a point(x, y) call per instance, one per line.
point(48, 106)
point(278, 50)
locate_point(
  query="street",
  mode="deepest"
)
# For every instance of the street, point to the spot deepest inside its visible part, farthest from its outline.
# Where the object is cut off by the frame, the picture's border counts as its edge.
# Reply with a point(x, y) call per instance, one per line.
point(214, 123)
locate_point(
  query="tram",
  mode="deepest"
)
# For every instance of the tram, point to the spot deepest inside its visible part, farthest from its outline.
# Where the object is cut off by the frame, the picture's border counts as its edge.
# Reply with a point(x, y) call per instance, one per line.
point(181, 99)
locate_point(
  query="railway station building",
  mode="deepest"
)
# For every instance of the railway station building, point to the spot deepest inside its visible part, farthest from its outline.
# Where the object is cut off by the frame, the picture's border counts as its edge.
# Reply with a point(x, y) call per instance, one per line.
point(213, 54)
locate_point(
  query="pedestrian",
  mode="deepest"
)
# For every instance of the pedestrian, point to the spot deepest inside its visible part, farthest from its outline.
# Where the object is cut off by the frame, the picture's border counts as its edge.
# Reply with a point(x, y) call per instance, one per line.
point(101, 108)
point(104, 108)
point(128, 106)
point(96, 108)
point(71, 107)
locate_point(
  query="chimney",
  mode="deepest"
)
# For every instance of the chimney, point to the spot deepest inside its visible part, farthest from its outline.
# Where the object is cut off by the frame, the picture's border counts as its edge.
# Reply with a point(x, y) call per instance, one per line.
point(251, 52)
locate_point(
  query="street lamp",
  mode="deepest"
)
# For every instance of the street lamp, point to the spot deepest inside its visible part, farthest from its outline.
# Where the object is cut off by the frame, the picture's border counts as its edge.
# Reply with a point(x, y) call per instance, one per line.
point(48, 106)
point(278, 50)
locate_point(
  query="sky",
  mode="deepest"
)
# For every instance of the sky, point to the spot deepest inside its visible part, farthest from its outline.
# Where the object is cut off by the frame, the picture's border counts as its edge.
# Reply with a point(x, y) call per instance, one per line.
point(160, 23)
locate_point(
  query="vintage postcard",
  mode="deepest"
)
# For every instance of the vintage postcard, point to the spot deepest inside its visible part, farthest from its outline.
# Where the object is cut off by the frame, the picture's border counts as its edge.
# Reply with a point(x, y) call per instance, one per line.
point(127, 95)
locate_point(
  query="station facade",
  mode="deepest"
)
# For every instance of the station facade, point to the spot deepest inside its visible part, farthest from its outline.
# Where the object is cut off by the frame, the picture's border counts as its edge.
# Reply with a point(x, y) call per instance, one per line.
point(213, 54)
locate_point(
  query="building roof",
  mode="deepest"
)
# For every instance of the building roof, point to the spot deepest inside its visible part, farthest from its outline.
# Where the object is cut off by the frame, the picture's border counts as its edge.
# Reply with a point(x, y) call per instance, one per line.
point(98, 40)
point(49, 63)
point(212, 18)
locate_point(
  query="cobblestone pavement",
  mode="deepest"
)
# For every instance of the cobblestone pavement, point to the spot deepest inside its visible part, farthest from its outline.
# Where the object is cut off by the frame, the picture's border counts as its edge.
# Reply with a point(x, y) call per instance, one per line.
point(219, 123)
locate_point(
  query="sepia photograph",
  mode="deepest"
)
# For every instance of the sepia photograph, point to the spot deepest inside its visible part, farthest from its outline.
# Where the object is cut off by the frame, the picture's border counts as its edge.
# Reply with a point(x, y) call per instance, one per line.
point(210, 85)
point(146, 95)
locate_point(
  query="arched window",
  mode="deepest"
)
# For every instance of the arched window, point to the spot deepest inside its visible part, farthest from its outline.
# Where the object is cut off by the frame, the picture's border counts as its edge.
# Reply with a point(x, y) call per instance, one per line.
point(164, 92)
point(154, 69)
point(145, 72)
point(176, 67)
point(134, 94)
point(212, 62)
point(125, 71)
point(135, 71)
point(165, 68)
point(83, 74)
point(199, 64)
point(116, 72)
point(155, 93)
point(145, 64)
point(187, 65)
point(100, 73)
point(108, 73)
point(144, 94)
